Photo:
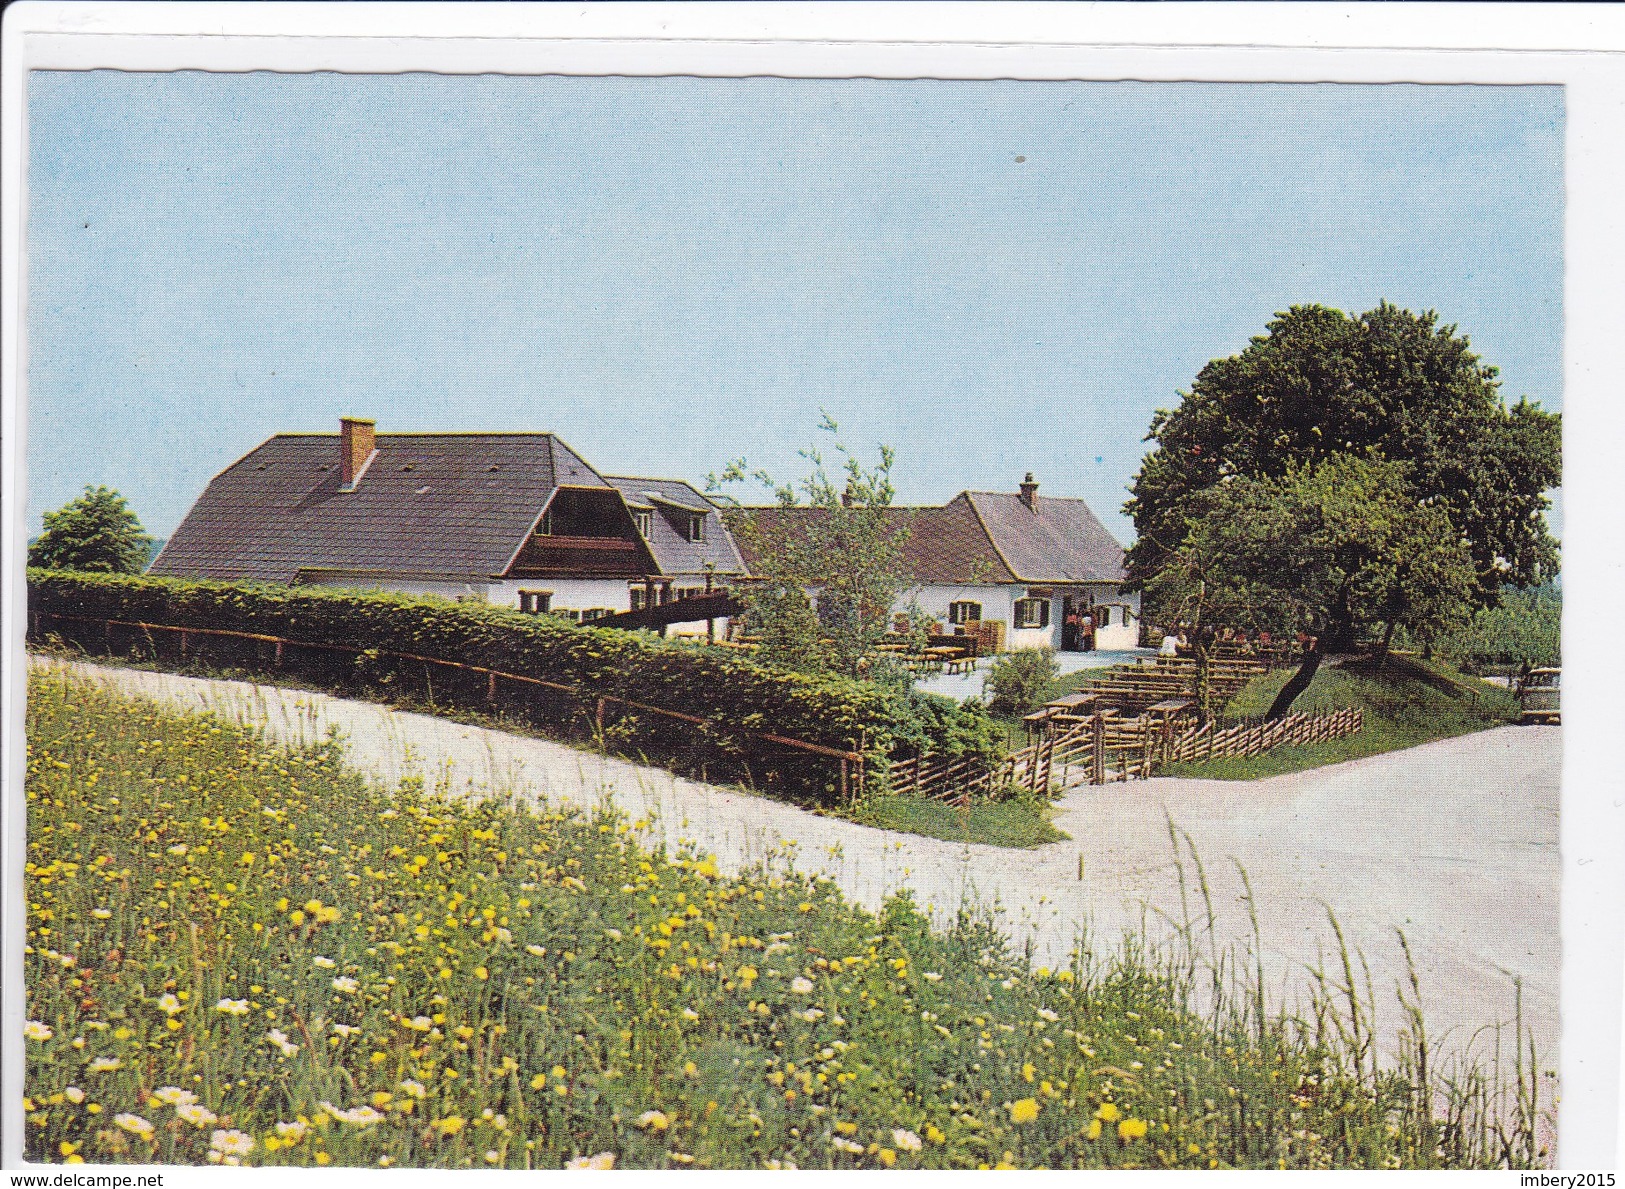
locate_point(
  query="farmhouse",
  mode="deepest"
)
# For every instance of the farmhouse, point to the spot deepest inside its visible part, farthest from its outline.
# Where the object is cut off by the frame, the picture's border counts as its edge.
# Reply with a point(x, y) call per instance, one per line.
point(516, 519)
point(1044, 568)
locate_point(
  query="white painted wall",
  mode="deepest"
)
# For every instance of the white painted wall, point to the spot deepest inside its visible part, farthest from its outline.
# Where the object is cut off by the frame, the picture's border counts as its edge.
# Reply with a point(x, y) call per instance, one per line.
point(998, 602)
point(569, 594)
point(933, 601)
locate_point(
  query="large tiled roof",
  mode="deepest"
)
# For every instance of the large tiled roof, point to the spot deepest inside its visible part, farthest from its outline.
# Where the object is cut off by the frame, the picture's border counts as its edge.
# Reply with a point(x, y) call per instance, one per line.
point(673, 552)
point(978, 538)
point(453, 505)
point(1056, 540)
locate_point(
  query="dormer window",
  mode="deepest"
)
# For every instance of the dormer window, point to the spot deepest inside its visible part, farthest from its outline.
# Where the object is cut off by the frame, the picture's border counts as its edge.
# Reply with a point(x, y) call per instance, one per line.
point(696, 527)
point(645, 520)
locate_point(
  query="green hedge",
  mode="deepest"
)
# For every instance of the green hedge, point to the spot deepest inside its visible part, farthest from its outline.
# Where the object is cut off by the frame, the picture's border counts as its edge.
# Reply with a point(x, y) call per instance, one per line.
point(737, 697)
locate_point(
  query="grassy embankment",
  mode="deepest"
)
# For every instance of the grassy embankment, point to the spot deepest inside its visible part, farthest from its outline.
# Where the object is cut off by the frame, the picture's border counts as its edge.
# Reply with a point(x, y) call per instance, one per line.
point(242, 954)
point(1404, 706)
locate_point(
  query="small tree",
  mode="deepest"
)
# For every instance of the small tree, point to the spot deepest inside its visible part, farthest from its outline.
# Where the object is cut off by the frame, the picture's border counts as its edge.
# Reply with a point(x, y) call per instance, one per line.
point(1333, 550)
point(1021, 681)
point(842, 548)
point(96, 532)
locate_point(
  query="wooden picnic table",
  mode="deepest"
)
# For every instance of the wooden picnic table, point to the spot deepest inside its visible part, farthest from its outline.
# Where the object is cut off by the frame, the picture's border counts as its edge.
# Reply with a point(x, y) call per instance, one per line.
point(1071, 702)
point(1169, 706)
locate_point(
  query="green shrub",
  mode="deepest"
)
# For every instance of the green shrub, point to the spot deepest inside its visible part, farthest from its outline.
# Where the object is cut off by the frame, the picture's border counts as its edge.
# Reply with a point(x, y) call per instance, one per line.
point(1021, 681)
point(738, 699)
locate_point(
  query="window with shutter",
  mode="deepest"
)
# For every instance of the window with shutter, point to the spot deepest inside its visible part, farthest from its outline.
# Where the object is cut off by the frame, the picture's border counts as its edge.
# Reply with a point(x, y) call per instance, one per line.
point(1032, 613)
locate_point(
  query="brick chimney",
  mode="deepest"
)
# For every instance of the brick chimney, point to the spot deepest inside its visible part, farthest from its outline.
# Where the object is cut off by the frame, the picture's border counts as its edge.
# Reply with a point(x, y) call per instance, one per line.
point(356, 450)
point(1029, 491)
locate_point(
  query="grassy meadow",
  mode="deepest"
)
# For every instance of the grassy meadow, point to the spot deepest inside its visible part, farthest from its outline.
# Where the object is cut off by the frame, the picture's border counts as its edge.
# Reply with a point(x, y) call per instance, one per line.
point(242, 954)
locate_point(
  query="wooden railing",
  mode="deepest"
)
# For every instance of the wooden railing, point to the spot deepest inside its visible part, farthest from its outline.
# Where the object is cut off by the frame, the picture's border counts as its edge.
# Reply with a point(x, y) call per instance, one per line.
point(1256, 737)
point(1103, 748)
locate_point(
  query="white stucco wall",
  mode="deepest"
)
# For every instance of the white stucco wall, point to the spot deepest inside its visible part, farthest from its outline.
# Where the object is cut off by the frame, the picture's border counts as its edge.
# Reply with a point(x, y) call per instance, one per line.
point(998, 602)
point(569, 594)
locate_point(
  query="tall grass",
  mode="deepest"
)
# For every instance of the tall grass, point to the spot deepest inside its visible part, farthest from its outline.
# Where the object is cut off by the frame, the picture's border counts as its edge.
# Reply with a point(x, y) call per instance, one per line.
point(239, 953)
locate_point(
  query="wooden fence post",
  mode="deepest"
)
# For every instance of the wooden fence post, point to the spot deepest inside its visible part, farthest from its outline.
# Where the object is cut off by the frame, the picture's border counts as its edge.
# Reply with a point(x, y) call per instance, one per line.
point(1098, 775)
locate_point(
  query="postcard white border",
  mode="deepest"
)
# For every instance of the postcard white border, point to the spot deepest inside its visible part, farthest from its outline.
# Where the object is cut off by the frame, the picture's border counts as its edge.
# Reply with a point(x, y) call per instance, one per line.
point(1577, 46)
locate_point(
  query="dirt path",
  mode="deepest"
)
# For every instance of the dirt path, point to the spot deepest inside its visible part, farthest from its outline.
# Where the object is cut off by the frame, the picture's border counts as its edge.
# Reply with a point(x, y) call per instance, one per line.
point(1455, 842)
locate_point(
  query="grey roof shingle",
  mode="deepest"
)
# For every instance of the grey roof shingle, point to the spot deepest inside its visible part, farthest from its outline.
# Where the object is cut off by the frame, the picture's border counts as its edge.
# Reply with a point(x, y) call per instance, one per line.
point(982, 537)
point(673, 552)
point(453, 505)
point(1058, 540)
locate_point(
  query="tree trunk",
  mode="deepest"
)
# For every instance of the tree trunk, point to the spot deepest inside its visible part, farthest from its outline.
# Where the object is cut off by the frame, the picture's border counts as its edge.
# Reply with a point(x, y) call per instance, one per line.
point(1204, 679)
point(1298, 682)
point(1387, 641)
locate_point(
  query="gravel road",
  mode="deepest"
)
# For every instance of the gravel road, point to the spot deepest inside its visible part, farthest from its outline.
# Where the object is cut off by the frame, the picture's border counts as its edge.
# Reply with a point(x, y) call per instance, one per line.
point(1455, 842)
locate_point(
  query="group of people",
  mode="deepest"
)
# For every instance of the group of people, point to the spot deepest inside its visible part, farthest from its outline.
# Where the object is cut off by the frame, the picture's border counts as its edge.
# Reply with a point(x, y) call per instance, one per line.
point(1078, 632)
point(1248, 643)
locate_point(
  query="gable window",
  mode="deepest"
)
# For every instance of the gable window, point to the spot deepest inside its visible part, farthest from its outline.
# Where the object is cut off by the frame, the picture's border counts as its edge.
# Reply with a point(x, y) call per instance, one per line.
point(545, 528)
point(1032, 613)
point(645, 520)
point(696, 527)
point(964, 612)
point(535, 602)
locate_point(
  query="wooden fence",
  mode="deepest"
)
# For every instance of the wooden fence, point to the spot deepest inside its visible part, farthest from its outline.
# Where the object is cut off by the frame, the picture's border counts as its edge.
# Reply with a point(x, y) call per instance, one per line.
point(852, 762)
point(1103, 748)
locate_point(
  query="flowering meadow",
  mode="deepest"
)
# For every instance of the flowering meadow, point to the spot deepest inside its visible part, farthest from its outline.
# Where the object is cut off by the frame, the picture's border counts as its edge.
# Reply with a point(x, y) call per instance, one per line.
point(243, 954)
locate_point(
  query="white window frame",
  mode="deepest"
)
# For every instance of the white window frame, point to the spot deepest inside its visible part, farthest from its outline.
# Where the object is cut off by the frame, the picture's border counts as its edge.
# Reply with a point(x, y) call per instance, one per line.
point(956, 613)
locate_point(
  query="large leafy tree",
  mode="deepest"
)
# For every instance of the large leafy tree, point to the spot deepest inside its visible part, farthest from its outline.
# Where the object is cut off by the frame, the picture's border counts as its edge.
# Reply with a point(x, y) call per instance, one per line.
point(1343, 476)
point(840, 547)
point(96, 532)
point(1389, 385)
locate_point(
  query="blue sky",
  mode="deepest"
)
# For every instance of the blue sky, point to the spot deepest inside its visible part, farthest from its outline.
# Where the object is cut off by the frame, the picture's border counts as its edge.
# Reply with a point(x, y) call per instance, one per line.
point(992, 277)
